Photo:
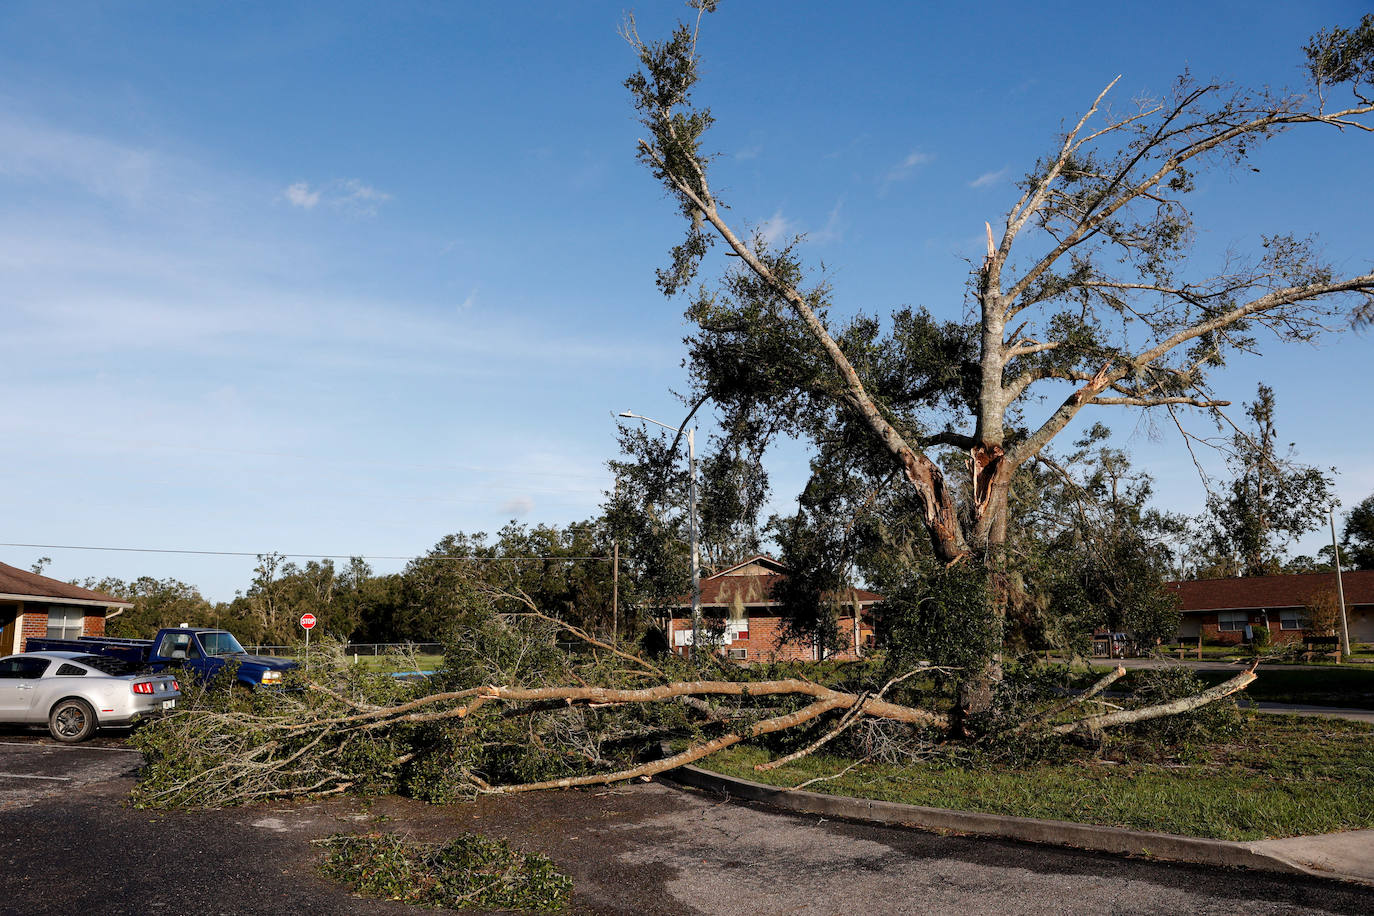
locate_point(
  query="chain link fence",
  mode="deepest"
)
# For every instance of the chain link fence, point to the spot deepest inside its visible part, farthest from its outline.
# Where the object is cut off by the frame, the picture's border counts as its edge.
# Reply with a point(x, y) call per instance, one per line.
point(356, 649)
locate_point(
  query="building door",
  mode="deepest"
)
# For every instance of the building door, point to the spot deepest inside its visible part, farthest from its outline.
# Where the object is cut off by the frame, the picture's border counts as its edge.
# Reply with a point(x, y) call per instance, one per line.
point(9, 617)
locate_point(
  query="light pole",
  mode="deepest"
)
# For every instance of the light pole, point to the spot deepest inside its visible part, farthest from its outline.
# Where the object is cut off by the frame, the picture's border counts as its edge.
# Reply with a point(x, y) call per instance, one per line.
point(691, 516)
point(1340, 589)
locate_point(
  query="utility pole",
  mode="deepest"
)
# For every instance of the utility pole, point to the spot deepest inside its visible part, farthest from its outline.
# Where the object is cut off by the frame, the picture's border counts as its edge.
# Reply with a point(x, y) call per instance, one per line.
point(615, 592)
point(1340, 589)
point(696, 549)
point(691, 512)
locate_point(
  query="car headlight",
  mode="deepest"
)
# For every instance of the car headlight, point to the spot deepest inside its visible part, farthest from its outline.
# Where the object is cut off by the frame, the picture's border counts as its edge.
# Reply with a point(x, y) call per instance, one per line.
point(271, 677)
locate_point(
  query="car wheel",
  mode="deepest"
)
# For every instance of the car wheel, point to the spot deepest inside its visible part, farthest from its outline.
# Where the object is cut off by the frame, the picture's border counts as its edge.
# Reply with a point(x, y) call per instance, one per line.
point(71, 721)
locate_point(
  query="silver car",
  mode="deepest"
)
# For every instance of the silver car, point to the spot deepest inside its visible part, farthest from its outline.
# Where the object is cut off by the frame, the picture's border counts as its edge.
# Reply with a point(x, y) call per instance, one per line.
point(75, 692)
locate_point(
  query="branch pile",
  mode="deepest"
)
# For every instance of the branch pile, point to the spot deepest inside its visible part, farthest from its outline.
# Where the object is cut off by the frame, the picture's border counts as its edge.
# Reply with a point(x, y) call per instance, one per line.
point(511, 712)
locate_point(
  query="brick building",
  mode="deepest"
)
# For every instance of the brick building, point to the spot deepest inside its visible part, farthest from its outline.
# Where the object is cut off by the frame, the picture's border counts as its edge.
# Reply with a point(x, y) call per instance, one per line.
point(747, 622)
point(1220, 610)
point(34, 605)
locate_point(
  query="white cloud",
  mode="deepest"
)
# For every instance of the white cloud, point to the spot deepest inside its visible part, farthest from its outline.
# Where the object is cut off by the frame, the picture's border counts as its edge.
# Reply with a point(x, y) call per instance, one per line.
point(749, 152)
point(361, 197)
point(903, 170)
point(520, 505)
point(469, 302)
point(987, 179)
point(349, 194)
point(300, 195)
point(832, 231)
point(106, 168)
point(776, 228)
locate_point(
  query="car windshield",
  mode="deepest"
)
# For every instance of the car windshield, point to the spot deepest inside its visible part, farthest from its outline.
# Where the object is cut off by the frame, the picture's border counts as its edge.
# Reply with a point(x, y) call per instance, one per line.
point(221, 643)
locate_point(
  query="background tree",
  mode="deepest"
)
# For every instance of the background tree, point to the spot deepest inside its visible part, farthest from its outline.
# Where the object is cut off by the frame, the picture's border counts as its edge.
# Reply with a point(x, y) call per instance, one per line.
point(1270, 500)
point(1088, 295)
point(157, 603)
point(1357, 538)
point(1324, 612)
point(1095, 554)
point(647, 512)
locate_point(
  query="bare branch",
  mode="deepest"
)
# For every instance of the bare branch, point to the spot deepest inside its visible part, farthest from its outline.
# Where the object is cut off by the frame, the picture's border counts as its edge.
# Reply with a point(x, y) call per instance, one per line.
point(1274, 300)
point(767, 726)
point(1107, 680)
point(1172, 708)
point(580, 634)
point(1159, 402)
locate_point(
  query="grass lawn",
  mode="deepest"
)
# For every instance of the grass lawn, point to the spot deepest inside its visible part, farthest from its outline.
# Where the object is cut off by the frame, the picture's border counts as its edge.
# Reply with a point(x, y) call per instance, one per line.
point(392, 663)
point(1284, 776)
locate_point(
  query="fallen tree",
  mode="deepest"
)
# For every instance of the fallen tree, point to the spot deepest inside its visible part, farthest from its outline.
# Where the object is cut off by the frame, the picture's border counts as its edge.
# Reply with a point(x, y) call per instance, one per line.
point(511, 712)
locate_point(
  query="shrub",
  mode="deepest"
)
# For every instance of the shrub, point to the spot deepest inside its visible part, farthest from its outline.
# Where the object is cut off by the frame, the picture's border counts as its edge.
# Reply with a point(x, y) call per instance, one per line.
point(467, 871)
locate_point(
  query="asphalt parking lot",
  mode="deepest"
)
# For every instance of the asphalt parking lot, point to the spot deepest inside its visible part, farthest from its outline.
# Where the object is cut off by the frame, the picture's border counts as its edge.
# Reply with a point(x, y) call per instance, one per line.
point(73, 845)
point(33, 767)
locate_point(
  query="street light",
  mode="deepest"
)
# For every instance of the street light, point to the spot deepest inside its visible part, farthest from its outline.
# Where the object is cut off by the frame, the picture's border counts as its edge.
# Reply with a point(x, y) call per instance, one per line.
point(691, 515)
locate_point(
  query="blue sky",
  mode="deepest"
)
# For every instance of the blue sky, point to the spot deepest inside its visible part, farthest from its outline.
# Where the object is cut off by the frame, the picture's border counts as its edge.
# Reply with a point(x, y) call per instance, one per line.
point(343, 278)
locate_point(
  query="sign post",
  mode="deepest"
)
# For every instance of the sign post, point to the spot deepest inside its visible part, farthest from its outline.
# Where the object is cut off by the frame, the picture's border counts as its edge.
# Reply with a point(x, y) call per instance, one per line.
point(308, 624)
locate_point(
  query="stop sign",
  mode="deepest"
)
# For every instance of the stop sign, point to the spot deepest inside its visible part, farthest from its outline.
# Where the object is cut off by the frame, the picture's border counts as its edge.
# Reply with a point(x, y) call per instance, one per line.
point(307, 620)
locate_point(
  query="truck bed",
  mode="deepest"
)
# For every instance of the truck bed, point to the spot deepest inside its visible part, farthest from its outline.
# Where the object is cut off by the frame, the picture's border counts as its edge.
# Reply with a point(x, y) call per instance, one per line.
point(135, 651)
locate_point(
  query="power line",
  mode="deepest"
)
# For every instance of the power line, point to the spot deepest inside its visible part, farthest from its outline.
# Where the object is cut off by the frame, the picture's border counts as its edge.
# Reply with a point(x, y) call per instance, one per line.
point(298, 556)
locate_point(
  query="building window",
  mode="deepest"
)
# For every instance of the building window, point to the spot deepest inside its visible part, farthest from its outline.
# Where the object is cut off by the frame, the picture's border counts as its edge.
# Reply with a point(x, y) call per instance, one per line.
point(1293, 620)
point(1232, 621)
point(65, 622)
point(739, 654)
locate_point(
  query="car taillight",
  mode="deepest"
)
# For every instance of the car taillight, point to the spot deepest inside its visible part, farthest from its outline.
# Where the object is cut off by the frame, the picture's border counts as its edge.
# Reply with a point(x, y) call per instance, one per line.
point(175, 684)
point(143, 687)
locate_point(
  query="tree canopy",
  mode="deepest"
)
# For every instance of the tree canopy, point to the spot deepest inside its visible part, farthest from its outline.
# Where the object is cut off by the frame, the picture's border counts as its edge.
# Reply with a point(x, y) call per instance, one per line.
point(1270, 500)
point(1091, 294)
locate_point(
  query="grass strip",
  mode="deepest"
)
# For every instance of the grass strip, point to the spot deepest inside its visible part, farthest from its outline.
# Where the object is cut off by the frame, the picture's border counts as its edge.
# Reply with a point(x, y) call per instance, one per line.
point(1284, 776)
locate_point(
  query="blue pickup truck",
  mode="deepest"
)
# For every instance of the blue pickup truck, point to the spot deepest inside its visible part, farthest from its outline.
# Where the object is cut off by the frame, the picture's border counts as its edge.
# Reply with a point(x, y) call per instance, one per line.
point(202, 652)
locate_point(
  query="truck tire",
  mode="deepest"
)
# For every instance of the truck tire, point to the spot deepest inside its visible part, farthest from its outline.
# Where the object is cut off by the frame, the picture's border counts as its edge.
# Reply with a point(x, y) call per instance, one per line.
point(72, 720)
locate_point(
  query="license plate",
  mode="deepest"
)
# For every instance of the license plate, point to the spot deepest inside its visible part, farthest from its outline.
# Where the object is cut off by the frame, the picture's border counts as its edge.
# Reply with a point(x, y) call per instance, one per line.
point(168, 704)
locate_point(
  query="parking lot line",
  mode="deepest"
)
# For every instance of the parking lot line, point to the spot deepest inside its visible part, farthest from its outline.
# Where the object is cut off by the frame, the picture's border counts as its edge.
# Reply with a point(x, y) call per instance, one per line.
point(69, 747)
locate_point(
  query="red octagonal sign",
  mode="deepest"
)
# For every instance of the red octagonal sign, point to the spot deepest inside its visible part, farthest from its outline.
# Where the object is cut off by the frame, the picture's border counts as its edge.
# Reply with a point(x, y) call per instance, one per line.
point(307, 620)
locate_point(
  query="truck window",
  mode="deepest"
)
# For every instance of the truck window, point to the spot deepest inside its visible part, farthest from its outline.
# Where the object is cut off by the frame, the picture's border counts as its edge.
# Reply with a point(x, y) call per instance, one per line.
point(220, 643)
point(174, 645)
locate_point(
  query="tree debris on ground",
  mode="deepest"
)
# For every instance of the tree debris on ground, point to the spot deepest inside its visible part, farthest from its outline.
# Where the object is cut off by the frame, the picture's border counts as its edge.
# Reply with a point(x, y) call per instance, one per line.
point(511, 712)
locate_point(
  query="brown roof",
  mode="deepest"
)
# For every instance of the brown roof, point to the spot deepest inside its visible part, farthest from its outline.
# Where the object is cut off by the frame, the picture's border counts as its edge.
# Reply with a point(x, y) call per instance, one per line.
point(722, 588)
point(20, 583)
point(1271, 591)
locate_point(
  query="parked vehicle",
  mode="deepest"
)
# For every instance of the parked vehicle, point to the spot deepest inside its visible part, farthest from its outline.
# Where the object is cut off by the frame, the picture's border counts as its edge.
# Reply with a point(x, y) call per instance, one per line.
point(201, 652)
point(77, 692)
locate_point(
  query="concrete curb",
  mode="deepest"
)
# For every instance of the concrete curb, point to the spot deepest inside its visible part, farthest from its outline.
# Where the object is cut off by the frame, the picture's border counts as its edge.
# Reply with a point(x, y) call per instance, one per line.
point(1114, 840)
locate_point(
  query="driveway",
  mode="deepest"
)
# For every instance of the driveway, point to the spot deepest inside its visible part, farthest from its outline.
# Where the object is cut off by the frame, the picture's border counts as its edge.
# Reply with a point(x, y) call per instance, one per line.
point(641, 849)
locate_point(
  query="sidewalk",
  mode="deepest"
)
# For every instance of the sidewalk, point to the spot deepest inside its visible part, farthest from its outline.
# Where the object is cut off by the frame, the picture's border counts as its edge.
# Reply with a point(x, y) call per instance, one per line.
point(1216, 664)
point(1347, 856)
point(1328, 712)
